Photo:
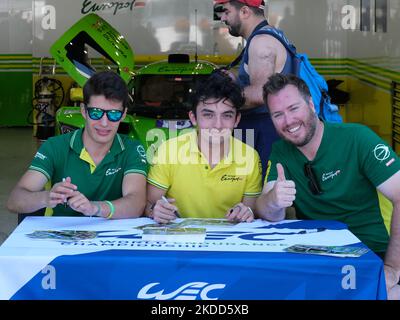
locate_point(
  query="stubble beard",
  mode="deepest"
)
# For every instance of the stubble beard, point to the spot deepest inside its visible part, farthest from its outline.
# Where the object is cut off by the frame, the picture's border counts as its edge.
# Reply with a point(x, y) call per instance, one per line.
point(311, 126)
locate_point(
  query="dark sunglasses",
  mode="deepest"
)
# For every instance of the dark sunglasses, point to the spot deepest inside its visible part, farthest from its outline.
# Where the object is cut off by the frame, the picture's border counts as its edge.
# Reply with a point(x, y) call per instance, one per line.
point(97, 113)
point(312, 179)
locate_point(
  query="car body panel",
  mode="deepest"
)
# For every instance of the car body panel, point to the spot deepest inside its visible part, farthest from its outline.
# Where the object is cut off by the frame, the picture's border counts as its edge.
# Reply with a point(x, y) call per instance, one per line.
point(71, 49)
point(150, 119)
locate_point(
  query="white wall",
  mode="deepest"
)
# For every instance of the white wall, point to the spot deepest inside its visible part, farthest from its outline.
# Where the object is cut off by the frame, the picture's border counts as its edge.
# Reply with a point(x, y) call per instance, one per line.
point(16, 26)
point(157, 27)
point(315, 27)
point(383, 46)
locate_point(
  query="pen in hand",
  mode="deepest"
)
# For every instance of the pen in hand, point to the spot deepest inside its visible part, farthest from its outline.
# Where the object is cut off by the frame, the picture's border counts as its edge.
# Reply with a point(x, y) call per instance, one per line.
point(175, 212)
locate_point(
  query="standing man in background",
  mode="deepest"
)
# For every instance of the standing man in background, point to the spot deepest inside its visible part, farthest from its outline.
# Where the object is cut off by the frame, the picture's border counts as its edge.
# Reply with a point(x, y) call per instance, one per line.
point(262, 57)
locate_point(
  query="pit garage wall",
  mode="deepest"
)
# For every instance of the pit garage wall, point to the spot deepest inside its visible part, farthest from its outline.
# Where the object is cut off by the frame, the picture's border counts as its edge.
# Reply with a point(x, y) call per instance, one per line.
point(151, 27)
point(375, 63)
point(15, 61)
point(367, 61)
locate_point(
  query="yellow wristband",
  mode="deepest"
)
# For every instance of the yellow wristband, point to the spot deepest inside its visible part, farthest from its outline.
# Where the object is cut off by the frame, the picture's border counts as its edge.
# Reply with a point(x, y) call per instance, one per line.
point(112, 209)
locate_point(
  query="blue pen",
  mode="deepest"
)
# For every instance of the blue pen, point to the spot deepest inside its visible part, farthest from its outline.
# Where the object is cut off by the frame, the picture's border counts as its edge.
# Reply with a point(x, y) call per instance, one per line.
point(166, 201)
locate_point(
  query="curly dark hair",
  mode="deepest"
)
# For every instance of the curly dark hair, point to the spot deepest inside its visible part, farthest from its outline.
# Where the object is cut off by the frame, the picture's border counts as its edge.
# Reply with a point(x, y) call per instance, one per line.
point(218, 86)
point(106, 83)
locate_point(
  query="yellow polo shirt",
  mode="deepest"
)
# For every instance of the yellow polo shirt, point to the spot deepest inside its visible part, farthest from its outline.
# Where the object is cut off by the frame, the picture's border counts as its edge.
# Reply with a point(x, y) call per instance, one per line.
point(201, 192)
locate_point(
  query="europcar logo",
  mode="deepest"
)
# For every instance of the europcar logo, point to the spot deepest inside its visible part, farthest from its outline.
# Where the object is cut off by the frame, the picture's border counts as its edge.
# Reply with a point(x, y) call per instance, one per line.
point(189, 291)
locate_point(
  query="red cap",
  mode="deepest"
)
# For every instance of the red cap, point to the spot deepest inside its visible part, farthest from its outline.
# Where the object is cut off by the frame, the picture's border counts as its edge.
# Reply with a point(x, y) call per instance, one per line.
point(251, 3)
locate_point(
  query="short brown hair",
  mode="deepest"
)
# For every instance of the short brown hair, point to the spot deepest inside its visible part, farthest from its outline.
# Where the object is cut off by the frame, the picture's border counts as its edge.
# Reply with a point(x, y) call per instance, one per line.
point(279, 81)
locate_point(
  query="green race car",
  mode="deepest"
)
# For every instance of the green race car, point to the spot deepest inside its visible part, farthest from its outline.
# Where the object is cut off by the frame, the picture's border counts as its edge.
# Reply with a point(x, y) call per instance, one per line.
point(160, 91)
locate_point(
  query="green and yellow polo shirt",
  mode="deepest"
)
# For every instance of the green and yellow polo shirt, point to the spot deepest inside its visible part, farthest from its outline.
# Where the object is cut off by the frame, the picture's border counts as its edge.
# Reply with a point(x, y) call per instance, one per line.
point(201, 192)
point(65, 156)
point(351, 162)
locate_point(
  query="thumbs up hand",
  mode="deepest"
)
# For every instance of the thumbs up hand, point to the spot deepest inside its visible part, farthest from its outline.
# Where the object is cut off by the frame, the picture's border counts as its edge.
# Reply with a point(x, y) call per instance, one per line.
point(281, 172)
point(283, 193)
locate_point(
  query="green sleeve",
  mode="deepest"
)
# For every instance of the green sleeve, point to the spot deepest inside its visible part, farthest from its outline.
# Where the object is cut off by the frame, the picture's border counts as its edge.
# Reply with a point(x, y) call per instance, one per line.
point(378, 161)
point(271, 174)
point(253, 181)
point(159, 174)
point(136, 159)
point(43, 161)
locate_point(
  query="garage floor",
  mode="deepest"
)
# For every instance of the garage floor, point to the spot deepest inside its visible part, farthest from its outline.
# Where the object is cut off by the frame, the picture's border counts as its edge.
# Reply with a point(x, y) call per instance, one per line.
point(17, 148)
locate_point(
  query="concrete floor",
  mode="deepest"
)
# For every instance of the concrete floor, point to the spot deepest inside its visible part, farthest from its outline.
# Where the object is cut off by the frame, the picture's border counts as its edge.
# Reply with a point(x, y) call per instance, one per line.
point(18, 147)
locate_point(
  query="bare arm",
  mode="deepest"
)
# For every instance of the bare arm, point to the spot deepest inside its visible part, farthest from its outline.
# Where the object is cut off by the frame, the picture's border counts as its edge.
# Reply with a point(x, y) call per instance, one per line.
point(391, 190)
point(153, 195)
point(130, 205)
point(133, 200)
point(158, 209)
point(250, 202)
point(29, 194)
point(265, 206)
point(261, 65)
point(243, 211)
point(276, 197)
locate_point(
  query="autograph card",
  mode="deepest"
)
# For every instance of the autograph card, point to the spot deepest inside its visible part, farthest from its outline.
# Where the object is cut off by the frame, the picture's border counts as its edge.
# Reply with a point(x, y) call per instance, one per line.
point(335, 251)
point(63, 235)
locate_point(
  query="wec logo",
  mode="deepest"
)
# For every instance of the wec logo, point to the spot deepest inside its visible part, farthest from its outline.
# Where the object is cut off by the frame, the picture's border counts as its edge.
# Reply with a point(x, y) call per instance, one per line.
point(189, 291)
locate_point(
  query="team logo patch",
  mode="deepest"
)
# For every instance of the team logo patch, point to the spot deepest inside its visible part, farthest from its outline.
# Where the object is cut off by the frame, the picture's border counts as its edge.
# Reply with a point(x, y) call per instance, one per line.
point(381, 152)
point(231, 178)
point(110, 171)
point(40, 156)
point(330, 175)
point(141, 151)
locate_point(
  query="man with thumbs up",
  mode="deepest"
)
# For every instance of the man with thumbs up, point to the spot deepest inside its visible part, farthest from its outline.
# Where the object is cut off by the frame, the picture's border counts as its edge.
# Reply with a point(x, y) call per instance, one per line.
point(277, 196)
point(331, 171)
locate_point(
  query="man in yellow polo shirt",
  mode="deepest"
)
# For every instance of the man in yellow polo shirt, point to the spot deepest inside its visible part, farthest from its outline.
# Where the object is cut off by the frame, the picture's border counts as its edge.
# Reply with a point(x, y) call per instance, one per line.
point(206, 173)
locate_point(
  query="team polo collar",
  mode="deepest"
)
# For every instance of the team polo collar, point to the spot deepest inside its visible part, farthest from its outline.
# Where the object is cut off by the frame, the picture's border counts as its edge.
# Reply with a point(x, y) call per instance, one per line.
point(76, 143)
point(194, 146)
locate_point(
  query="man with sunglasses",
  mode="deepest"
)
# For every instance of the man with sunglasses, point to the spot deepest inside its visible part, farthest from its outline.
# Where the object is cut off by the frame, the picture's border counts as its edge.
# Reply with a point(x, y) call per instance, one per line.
point(93, 171)
point(206, 173)
point(330, 171)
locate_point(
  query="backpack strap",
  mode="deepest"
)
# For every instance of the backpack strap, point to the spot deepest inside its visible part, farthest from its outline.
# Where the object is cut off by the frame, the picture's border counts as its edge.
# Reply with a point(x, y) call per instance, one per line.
point(293, 51)
point(235, 62)
point(280, 37)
